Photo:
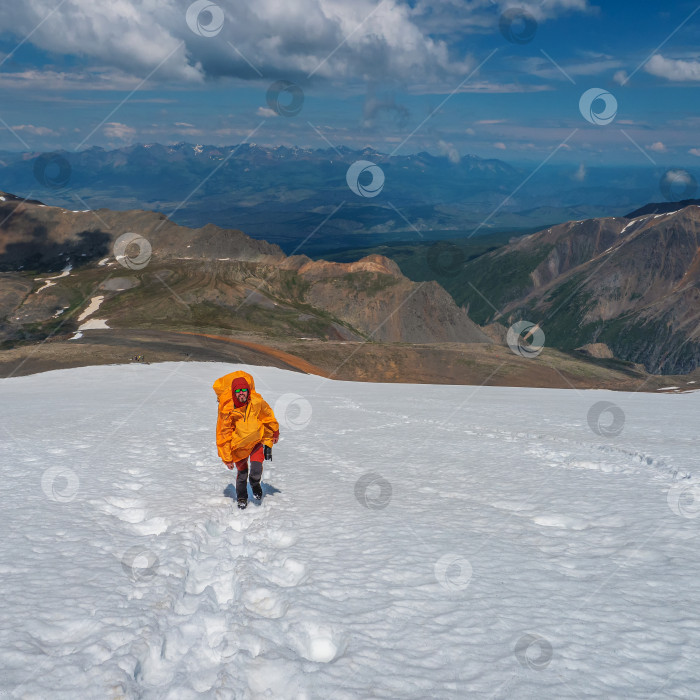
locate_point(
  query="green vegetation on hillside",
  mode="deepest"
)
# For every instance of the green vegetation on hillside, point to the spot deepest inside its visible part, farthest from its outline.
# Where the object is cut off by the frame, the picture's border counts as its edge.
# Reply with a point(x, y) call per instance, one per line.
point(370, 283)
point(455, 263)
point(488, 284)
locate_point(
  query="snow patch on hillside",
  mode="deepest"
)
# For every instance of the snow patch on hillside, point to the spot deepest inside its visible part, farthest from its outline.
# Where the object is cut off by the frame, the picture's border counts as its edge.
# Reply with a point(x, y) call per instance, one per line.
point(93, 323)
point(93, 306)
point(48, 281)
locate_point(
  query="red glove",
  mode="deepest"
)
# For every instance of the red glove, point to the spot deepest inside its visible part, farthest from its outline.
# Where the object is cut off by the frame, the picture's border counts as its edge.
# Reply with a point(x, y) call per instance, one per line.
point(230, 465)
point(275, 437)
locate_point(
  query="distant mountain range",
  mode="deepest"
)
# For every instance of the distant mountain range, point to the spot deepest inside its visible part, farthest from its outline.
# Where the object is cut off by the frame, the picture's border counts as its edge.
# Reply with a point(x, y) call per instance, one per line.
point(300, 199)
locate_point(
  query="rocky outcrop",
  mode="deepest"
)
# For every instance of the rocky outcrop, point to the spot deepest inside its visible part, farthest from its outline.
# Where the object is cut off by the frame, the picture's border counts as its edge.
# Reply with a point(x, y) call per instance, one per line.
point(391, 308)
point(323, 269)
point(598, 350)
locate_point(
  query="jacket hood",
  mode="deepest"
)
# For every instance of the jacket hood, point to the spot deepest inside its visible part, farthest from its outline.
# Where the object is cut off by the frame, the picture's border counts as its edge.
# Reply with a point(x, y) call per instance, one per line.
point(222, 386)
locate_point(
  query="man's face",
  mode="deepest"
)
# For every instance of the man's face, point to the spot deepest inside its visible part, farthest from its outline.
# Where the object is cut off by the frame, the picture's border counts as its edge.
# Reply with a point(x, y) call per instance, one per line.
point(242, 395)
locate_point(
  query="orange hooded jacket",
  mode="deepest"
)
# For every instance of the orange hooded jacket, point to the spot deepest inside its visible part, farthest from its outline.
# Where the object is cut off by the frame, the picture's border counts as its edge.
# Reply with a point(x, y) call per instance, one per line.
point(240, 429)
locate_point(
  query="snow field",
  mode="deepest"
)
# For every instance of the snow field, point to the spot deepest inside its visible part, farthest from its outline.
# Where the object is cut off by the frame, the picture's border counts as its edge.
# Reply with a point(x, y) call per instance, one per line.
point(412, 542)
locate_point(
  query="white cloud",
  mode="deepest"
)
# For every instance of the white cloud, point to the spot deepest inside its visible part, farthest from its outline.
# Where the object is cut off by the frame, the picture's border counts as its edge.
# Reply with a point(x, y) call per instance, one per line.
point(580, 174)
point(266, 112)
point(500, 145)
point(658, 147)
point(450, 151)
point(545, 69)
point(673, 69)
point(620, 77)
point(36, 79)
point(484, 86)
point(364, 40)
point(439, 87)
point(453, 17)
point(132, 37)
point(334, 39)
point(35, 130)
point(694, 152)
point(547, 9)
point(115, 130)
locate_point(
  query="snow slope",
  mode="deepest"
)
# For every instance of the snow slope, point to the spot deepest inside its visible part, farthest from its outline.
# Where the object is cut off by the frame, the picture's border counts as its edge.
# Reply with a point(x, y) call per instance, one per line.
point(413, 542)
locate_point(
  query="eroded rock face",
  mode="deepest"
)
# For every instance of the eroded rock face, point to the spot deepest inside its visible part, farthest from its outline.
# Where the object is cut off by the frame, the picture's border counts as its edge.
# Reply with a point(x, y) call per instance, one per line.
point(374, 296)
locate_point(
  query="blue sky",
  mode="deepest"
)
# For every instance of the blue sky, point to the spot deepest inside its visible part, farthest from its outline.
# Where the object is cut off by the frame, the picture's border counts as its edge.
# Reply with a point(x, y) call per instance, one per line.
point(403, 77)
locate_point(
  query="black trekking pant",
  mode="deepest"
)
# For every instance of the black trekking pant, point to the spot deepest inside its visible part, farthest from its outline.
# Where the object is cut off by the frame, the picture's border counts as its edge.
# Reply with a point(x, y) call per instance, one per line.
point(256, 469)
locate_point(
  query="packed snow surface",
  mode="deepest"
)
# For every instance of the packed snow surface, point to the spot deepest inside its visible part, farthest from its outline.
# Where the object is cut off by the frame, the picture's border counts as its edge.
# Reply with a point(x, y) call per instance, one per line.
point(413, 541)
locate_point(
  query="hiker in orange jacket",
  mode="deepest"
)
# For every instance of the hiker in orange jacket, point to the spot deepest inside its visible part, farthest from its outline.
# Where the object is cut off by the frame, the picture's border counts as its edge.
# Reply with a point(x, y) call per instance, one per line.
point(246, 428)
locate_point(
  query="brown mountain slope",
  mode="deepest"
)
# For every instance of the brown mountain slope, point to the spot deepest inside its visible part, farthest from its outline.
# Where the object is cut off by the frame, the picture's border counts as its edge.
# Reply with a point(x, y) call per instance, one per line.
point(207, 277)
point(373, 296)
point(264, 306)
point(450, 363)
point(633, 284)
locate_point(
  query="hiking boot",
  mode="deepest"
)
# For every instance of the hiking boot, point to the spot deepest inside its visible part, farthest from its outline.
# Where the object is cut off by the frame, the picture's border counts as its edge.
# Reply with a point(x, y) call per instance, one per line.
point(242, 503)
point(257, 490)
